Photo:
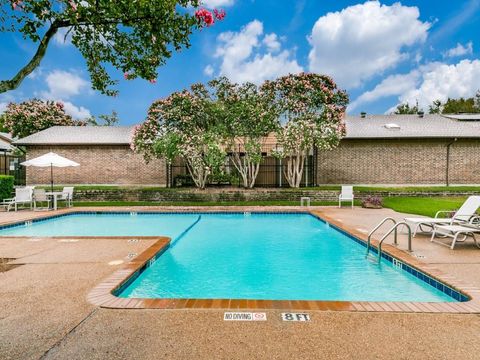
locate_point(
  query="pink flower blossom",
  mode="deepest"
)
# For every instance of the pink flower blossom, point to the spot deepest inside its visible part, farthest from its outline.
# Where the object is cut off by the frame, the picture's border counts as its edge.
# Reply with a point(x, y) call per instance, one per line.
point(73, 5)
point(205, 16)
point(219, 14)
point(153, 81)
point(16, 3)
point(126, 76)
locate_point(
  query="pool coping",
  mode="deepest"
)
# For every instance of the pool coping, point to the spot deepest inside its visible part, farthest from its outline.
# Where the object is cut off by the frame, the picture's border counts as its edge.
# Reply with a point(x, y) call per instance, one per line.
point(103, 294)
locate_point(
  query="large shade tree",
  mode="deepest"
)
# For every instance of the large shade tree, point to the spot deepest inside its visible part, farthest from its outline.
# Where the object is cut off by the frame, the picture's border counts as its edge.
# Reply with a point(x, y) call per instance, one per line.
point(311, 110)
point(248, 118)
point(133, 36)
point(186, 125)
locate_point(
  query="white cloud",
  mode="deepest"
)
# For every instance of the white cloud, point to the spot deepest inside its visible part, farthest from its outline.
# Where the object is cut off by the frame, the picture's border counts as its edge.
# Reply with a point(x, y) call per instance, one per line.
point(441, 81)
point(392, 85)
point(62, 37)
point(217, 3)
point(459, 50)
point(3, 107)
point(77, 112)
point(208, 70)
point(364, 40)
point(434, 81)
point(244, 57)
point(64, 84)
point(271, 42)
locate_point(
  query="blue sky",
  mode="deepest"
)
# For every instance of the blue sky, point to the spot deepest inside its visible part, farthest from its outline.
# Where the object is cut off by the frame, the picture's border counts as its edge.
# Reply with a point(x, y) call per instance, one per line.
point(382, 52)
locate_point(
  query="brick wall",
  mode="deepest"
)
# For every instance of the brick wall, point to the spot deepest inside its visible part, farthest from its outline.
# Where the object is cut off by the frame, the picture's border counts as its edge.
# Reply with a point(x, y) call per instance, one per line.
point(400, 162)
point(98, 165)
point(353, 162)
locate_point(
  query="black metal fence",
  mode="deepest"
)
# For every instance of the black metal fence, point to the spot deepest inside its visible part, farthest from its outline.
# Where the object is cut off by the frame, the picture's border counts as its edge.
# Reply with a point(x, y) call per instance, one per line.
point(10, 165)
point(270, 174)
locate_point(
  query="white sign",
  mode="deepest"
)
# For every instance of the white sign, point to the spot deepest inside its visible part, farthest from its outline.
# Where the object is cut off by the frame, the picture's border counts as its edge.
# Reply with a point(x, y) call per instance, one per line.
point(244, 316)
point(295, 317)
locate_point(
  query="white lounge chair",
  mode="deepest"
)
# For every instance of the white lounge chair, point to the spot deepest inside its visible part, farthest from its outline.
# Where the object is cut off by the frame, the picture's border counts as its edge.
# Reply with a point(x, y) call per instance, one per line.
point(462, 216)
point(454, 231)
point(40, 196)
point(23, 195)
point(345, 195)
point(67, 196)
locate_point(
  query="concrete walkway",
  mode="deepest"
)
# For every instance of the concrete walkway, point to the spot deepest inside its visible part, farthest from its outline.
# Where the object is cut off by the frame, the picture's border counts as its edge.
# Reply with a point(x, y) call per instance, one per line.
point(44, 314)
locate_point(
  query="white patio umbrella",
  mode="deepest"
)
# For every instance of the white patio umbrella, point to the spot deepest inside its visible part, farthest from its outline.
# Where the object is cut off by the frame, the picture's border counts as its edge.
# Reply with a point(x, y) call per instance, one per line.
point(51, 159)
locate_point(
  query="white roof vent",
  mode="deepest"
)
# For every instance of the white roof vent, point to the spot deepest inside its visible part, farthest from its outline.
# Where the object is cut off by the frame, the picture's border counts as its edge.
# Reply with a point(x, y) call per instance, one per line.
point(392, 126)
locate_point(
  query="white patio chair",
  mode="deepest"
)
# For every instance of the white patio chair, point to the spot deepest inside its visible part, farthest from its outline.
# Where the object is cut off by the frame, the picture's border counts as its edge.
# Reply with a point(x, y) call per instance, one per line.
point(346, 195)
point(67, 196)
point(23, 195)
point(40, 196)
point(463, 215)
point(454, 231)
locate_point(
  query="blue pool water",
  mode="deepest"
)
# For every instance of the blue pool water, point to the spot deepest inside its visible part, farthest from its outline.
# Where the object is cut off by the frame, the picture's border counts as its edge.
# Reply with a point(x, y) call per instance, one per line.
point(252, 256)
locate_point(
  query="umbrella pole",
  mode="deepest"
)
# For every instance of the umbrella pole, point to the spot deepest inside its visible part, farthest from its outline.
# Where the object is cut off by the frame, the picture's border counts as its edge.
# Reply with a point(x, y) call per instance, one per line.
point(51, 177)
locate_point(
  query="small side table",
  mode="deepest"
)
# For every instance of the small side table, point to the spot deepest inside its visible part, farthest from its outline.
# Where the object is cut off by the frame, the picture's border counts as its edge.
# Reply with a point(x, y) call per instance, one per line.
point(306, 200)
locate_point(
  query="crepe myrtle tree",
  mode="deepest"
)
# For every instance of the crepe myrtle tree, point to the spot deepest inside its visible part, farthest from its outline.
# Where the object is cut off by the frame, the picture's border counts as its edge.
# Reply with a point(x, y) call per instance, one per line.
point(185, 124)
point(133, 36)
point(248, 118)
point(311, 110)
point(28, 117)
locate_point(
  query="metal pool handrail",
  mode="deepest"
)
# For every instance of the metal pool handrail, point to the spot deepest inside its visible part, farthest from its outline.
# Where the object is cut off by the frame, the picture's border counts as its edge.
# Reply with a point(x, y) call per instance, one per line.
point(376, 228)
point(394, 228)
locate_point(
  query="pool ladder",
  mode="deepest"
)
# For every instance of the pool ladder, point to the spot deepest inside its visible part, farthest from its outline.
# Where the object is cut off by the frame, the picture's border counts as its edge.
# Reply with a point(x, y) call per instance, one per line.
point(392, 229)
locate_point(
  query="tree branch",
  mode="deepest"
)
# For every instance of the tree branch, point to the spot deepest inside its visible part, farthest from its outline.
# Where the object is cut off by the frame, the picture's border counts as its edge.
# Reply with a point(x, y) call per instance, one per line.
point(6, 85)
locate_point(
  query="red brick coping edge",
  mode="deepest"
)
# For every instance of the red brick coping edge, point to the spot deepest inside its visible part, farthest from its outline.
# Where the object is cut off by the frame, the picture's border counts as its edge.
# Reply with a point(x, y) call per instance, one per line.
point(102, 294)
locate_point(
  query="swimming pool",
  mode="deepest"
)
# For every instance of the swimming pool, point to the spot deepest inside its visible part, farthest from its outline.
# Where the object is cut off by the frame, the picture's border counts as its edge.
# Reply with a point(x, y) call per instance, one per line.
point(248, 256)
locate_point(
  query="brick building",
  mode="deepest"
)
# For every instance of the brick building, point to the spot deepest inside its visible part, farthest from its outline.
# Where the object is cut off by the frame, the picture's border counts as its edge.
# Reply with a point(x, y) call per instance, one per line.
point(377, 149)
point(103, 153)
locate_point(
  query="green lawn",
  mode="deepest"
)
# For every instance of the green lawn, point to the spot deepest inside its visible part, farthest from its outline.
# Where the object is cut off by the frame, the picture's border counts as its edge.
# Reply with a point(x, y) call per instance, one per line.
point(423, 206)
point(410, 205)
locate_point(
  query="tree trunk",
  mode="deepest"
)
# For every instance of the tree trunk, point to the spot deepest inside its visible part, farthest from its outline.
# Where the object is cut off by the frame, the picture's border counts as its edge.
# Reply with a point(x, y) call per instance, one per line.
point(247, 169)
point(294, 169)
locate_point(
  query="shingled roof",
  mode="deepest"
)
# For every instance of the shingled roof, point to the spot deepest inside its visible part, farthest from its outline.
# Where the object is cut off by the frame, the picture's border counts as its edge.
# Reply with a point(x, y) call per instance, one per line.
point(413, 126)
point(5, 142)
point(80, 135)
point(368, 127)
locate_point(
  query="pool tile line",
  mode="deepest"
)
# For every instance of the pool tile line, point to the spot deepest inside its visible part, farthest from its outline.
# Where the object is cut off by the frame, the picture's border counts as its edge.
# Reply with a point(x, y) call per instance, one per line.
point(103, 294)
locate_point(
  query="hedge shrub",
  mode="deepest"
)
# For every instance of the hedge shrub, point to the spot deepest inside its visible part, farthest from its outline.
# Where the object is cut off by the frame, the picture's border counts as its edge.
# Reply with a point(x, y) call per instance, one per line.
point(6, 186)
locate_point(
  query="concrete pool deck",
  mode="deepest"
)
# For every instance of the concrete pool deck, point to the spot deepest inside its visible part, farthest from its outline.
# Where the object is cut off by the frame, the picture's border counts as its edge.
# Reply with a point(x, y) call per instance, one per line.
point(44, 311)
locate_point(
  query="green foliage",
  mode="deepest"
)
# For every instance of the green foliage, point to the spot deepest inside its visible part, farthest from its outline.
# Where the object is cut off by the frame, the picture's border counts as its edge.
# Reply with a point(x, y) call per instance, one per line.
point(132, 36)
point(6, 186)
point(248, 117)
point(457, 106)
point(185, 124)
point(406, 109)
point(105, 120)
point(311, 110)
point(2, 123)
point(435, 108)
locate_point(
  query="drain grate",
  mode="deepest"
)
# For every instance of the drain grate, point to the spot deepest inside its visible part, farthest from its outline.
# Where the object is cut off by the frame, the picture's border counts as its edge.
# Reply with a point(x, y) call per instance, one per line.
point(133, 241)
point(131, 255)
point(5, 266)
